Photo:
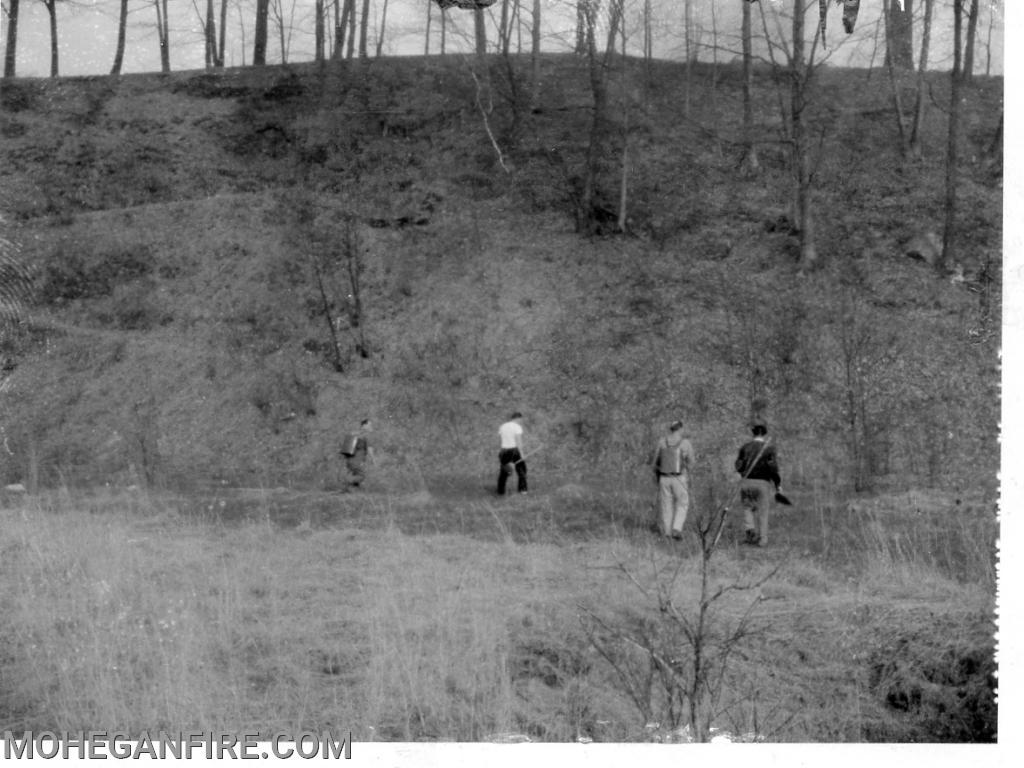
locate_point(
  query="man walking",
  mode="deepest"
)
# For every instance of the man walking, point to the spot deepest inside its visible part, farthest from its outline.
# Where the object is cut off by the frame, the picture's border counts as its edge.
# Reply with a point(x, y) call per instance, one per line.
point(510, 453)
point(758, 466)
point(357, 452)
point(672, 460)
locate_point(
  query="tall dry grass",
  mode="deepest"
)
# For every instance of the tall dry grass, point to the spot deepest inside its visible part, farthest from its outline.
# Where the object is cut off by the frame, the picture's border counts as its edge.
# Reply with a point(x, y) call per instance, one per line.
point(136, 619)
point(122, 614)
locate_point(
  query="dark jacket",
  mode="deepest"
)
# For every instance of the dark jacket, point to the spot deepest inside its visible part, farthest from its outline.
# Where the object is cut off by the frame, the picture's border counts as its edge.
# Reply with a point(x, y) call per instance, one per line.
point(766, 466)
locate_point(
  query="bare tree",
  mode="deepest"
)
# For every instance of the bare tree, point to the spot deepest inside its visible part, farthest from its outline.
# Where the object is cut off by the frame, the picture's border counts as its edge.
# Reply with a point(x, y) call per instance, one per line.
point(213, 54)
point(648, 40)
point(426, 37)
point(51, 12)
point(363, 29)
point(800, 73)
point(222, 39)
point(953, 138)
point(749, 162)
point(504, 28)
point(922, 68)
point(599, 65)
point(691, 52)
point(285, 24)
point(383, 26)
point(122, 23)
point(241, 30)
point(891, 59)
point(673, 660)
point(480, 33)
point(351, 46)
point(900, 39)
point(535, 55)
point(163, 35)
point(992, 9)
point(624, 160)
point(972, 32)
point(10, 57)
point(342, 27)
point(318, 21)
point(259, 50)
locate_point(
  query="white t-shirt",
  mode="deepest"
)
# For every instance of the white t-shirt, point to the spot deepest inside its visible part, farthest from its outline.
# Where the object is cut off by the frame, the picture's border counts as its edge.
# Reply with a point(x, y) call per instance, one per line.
point(508, 432)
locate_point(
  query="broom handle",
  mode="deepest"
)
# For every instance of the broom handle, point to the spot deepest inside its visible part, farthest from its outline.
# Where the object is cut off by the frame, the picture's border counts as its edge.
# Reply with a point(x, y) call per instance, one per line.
point(529, 453)
point(725, 509)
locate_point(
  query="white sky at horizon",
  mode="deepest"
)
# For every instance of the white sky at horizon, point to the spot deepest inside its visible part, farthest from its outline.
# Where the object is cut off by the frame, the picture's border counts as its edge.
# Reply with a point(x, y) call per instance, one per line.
point(87, 32)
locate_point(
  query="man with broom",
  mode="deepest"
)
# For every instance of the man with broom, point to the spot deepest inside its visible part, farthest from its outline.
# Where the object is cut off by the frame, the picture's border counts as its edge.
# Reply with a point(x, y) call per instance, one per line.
point(510, 455)
point(760, 483)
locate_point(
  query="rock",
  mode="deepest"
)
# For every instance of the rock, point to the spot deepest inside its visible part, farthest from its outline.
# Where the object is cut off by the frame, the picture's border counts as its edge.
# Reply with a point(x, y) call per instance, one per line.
point(572, 491)
point(418, 499)
point(924, 246)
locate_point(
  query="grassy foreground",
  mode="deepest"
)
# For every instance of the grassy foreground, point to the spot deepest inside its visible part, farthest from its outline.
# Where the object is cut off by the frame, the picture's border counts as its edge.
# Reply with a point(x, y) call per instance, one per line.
point(122, 613)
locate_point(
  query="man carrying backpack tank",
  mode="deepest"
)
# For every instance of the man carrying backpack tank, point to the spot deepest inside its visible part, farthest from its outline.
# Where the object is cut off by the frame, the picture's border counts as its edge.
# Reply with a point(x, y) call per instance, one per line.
point(356, 449)
point(672, 460)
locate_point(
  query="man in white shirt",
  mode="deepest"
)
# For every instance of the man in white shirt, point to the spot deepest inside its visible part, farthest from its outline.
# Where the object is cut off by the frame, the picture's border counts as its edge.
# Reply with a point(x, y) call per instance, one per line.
point(511, 453)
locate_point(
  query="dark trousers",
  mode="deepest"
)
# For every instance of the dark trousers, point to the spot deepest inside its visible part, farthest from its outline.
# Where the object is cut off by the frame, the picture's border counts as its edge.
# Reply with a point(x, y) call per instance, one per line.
point(512, 456)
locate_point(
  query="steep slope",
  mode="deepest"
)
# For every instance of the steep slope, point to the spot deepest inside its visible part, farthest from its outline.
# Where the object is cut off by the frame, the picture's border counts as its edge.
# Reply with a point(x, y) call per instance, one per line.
point(178, 226)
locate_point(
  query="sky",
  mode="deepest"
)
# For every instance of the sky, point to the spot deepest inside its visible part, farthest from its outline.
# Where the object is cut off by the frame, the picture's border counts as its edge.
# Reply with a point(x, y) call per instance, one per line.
point(87, 32)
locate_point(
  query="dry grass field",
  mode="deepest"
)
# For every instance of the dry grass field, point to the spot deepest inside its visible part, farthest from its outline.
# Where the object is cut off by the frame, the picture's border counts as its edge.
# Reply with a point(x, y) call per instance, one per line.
point(123, 610)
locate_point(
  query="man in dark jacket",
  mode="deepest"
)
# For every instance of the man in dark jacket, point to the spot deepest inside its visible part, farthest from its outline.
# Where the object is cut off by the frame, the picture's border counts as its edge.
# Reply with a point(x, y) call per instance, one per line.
point(758, 466)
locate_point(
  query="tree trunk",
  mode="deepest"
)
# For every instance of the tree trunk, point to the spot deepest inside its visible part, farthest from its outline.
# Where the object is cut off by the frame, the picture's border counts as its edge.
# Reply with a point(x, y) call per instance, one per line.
point(340, 19)
point(624, 166)
point(222, 40)
point(900, 48)
point(318, 12)
point(444, 33)
point(350, 53)
point(210, 34)
point(803, 215)
point(988, 41)
point(383, 26)
point(953, 139)
point(586, 222)
point(688, 32)
point(894, 83)
point(480, 32)
point(504, 30)
point(284, 28)
point(922, 68)
point(750, 162)
point(259, 49)
point(426, 39)
point(972, 32)
point(535, 56)
point(10, 57)
point(241, 31)
point(582, 27)
point(122, 23)
point(364, 29)
point(163, 35)
point(648, 46)
point(51, 10)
